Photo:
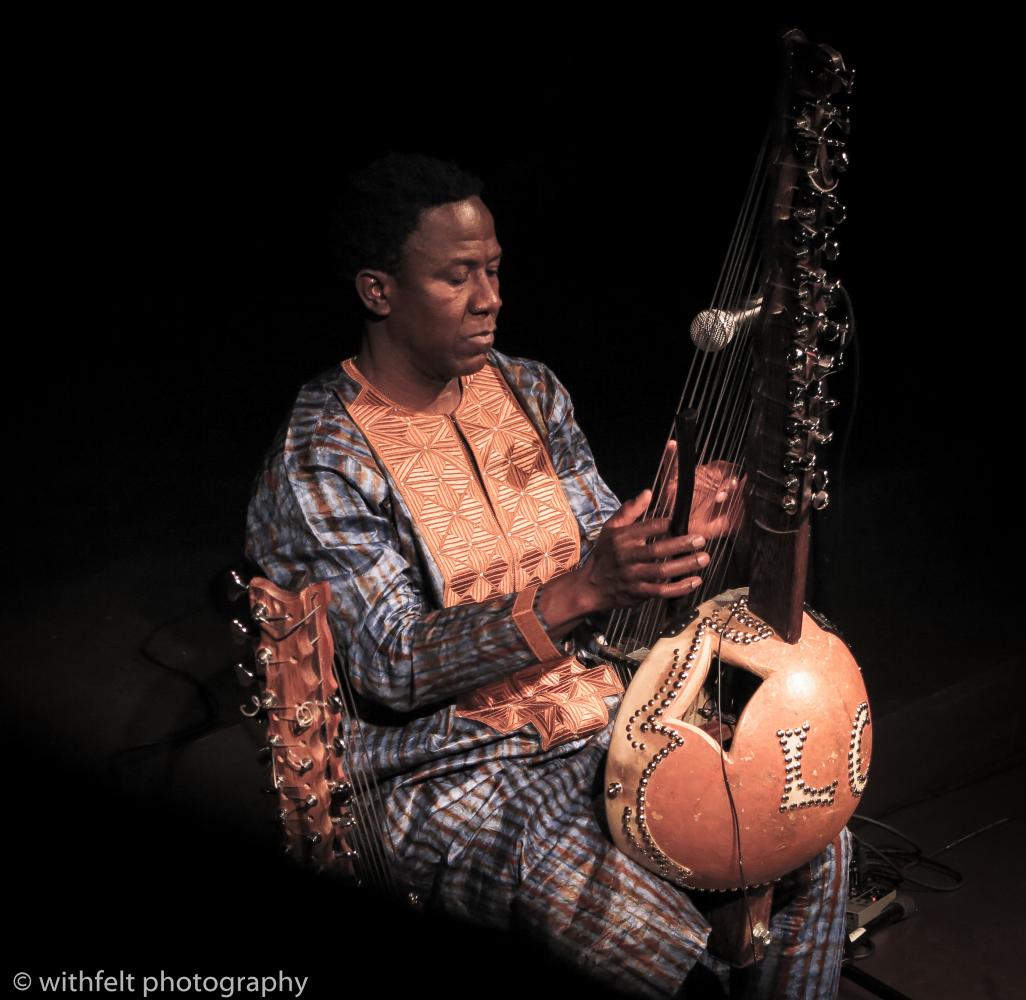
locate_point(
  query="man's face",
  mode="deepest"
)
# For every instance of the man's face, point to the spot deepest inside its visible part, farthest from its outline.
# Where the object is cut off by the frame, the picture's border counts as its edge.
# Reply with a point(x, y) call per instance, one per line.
point(445, 300)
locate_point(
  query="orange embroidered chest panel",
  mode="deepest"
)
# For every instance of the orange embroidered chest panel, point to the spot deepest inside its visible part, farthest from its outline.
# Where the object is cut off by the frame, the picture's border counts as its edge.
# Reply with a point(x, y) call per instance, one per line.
point(481, 488)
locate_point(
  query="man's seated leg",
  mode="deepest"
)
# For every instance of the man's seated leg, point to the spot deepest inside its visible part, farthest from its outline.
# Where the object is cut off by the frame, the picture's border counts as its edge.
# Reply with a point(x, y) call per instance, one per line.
point(574, 890)
point(803, 959)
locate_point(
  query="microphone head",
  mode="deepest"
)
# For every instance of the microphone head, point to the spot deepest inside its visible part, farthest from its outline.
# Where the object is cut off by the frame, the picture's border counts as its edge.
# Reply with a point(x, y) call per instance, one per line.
point(712, 329)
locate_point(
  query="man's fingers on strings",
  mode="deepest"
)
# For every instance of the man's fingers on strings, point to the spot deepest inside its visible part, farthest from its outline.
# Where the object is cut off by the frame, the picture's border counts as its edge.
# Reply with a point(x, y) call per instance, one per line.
point(667, 590)
point(649, 540)
point(670, 569)
point(642, 532)
point(668, 463)
point(633, 509)
point(665, 548)
point(727, 488)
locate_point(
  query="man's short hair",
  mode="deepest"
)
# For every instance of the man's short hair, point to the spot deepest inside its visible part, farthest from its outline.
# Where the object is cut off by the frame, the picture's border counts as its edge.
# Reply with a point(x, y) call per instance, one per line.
point(382, 203)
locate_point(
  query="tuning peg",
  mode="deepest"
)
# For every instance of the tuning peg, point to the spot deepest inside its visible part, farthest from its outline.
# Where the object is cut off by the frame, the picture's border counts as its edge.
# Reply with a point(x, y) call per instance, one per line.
point(260, 703)
point(828, 294)
point(810, 323)
point(832, 330)
point(235, 585)
point(263, 656)
point(804, 314)
point(806, 147)
point(808, 291)
point(807, 232)
point(809, 272)
point(240, 632)
point(821, 241)
point(341, 794)
point(820, 480)
point(800, 425)
point(795, 462)
point(790, 505)
point(820, 500)
point(841, 124)
point(261, 613)
point(243, 675)
point(803, 123)
point(836, 116)
point(337, 702)
point(837, 212)
point(809, 145)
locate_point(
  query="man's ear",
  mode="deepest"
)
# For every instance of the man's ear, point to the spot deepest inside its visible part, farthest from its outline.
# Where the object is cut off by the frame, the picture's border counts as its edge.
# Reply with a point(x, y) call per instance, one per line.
point(374, 288)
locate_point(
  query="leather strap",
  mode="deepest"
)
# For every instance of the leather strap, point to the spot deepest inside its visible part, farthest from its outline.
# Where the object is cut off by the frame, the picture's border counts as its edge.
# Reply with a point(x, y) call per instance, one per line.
point(531, 628)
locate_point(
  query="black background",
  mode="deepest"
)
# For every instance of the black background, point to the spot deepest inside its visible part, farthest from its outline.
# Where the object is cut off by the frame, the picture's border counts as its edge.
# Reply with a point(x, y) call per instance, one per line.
point(179, 218)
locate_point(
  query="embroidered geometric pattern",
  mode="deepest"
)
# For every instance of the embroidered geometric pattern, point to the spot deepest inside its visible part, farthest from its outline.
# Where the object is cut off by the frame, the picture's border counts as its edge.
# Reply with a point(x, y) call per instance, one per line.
point(563, 699)
point(518, 530)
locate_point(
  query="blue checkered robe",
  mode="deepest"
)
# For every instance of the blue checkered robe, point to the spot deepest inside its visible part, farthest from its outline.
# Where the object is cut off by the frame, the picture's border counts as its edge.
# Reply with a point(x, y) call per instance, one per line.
point(488, 826)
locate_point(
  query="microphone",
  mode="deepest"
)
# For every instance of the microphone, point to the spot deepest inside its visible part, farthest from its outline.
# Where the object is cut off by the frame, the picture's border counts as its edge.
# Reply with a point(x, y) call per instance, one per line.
point(899, 909)
point(713, 329)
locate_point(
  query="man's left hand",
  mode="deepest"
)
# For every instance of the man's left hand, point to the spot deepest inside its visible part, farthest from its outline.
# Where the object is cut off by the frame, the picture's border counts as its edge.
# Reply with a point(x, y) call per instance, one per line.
point(717, 504)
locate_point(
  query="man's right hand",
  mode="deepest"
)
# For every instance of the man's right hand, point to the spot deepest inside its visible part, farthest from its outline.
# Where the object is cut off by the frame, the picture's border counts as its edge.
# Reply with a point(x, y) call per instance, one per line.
point(632, 561)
